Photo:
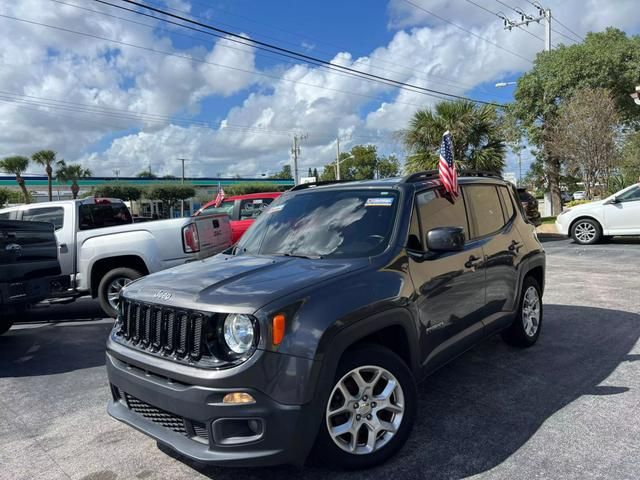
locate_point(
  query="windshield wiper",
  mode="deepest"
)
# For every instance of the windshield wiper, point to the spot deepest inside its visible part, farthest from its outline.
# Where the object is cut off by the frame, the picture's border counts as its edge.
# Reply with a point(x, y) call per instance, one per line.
point(296, 255)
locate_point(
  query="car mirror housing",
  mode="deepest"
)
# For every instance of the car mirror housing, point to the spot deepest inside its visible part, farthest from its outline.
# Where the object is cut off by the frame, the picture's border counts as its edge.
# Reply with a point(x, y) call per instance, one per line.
point(445, 239)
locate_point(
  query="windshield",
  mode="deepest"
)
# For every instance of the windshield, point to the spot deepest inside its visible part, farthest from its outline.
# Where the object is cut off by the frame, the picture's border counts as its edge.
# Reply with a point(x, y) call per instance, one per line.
point(326, 224)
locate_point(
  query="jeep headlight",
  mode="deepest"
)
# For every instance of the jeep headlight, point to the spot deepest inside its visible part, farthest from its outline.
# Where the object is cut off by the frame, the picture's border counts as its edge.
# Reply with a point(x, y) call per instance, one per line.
point(239, 333)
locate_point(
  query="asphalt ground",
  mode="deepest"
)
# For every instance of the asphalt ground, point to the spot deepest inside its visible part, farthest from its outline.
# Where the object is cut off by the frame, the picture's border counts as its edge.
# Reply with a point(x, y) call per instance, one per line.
point(567, 408)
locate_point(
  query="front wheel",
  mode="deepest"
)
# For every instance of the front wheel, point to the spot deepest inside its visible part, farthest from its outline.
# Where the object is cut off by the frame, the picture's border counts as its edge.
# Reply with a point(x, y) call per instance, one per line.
point(370, 411)
point(109, 288)
point(525, 329)
point(586, 232)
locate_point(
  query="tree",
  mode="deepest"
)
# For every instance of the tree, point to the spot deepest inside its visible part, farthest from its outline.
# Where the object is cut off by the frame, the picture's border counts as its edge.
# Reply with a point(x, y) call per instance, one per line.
point(362, 163)
point(17, 165)
point(585, 134)
point(478, 140)
point(630, 166)
point(123, 192)
point(170, 195)
point(315, 173)
point(72, 173)
point(47, 158)
point(284, 174)
point(146, 174)
point(5, 194)
point(608, 59)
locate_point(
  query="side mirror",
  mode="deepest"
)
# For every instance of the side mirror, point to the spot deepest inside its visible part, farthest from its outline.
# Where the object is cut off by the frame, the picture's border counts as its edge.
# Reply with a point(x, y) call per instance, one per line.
point(445, 239)
point(614, 200)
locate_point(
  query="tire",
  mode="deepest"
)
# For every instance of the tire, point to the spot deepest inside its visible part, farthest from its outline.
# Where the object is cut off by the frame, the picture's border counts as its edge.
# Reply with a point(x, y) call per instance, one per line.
point(5, 325)
point(107, 286)
point(586, 231)
point(367, 361)
point(9, 317)
point(525, 330)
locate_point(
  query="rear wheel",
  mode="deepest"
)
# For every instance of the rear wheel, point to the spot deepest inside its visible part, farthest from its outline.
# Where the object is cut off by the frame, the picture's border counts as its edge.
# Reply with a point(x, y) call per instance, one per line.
point(109, 288)
point(586, 231)
point(370, 410)
point(525, 329)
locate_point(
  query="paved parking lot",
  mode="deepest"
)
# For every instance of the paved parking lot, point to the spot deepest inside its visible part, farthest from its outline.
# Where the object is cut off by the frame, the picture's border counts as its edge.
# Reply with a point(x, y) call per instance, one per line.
point(566, 408)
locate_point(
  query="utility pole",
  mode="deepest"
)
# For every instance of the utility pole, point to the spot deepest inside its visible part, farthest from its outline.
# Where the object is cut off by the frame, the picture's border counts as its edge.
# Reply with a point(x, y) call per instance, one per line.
point(337, 158)
point(181, 201)
point(295, 151)
point(116, 172)
point(525, 19)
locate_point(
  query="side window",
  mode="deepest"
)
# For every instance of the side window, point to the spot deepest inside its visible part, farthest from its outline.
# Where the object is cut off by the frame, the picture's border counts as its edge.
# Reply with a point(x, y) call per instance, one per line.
point(250, 209)
point(438, 210)
point(5, 216)
point(507, 203)
point(487, 212)
point(630, 195)
point(413, 240)
point(53, 215)
point(225, 207)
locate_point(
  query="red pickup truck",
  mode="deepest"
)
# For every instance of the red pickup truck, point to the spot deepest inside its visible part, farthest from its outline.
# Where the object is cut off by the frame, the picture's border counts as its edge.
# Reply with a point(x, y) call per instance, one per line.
point(242, 210)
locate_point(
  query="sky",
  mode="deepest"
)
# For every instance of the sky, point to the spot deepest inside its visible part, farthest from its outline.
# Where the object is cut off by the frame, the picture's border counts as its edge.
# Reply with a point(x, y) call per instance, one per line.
point(120, 92)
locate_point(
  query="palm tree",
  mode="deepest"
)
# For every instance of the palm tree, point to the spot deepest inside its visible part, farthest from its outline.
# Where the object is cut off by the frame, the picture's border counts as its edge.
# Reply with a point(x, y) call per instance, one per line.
point(478, 141)
point(72, 173)
point(17, 166)
point(47, 158)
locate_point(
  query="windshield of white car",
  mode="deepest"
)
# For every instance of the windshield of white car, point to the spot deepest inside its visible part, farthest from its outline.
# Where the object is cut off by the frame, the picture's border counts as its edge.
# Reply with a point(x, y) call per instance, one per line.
point(324, 224)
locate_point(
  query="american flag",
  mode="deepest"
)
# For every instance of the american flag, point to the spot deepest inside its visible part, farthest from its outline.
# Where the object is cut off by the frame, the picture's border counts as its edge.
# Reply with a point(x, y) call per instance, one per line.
point(446, 166)
point(219, 195)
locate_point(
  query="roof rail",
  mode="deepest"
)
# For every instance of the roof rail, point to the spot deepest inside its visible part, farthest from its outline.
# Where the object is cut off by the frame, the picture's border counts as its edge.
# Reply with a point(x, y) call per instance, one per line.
point(303, 186)
point(420, 176)
point(430, 174)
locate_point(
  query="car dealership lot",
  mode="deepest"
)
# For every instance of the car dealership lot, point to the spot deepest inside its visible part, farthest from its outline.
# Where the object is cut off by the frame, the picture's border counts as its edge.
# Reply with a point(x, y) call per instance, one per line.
point(566, 408)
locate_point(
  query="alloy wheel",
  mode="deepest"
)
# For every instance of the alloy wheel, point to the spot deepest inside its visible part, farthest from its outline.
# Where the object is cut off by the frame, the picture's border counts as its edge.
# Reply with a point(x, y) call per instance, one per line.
point(113, 291)
point(585, 232)
point(365, 410)
point(531, 311)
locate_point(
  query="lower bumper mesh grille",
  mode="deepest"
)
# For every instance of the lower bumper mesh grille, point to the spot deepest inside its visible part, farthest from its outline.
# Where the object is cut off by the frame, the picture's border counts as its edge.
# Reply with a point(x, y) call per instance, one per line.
point(178, 424)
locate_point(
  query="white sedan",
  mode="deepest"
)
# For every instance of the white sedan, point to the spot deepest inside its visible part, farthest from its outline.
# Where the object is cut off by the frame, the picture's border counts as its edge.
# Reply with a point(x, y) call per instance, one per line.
point(618, 214)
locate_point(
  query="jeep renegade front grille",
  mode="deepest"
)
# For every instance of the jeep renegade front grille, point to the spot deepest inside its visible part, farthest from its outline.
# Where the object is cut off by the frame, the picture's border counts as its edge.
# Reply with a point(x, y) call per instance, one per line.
point(162, 330)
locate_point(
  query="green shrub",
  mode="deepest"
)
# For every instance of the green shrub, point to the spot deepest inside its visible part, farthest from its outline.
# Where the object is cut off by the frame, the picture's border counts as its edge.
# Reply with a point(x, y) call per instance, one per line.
point(246, 188)
point(4, 196)
point(170, 195)
point(573, 203)
point(115, 190)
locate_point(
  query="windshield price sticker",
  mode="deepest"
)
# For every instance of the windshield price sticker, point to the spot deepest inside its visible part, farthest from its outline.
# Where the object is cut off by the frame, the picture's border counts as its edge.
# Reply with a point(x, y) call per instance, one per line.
point(379, 202)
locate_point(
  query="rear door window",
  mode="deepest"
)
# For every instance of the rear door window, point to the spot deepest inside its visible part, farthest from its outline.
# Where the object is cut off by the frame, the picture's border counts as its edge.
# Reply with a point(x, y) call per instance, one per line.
point(53, 215)
point(225, 207)
point(487, 215)
point(507, 203)
point(100, 215)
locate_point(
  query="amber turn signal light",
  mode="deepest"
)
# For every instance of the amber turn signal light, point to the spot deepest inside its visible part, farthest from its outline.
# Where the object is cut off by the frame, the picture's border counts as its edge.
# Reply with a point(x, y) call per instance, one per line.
point(278, 328)
point(236, 398)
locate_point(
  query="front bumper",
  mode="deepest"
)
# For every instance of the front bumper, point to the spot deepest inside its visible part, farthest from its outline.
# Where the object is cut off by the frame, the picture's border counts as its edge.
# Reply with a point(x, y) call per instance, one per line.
point(562, 227)
point(192, 420)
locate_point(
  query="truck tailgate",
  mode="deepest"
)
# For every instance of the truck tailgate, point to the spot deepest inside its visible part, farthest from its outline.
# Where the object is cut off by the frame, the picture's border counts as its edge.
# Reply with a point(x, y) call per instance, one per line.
point(27, 250)
point(214, 233)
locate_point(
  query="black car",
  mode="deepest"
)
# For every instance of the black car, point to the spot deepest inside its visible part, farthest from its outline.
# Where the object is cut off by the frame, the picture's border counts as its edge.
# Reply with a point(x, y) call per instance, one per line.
point(310, 335)
point(530, 206)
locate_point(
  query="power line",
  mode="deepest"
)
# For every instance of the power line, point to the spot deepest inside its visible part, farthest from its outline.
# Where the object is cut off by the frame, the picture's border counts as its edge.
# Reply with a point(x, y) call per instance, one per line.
point(308, 58)
point(253, 72)
point(467, 31)
point(503, 17)
point(224, 44)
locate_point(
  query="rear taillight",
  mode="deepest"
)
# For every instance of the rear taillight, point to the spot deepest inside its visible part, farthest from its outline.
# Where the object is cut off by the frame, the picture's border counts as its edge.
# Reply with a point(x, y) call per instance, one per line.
point(190, 238)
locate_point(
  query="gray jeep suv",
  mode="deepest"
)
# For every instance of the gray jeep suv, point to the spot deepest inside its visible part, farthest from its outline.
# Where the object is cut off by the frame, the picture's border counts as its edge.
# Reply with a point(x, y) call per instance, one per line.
point(309, 336)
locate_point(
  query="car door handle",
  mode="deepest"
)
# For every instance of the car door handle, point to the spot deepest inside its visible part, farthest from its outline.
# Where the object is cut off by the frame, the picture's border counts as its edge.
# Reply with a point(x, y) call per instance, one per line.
point(472, 262)
point(13, 247)
point(515, 245)
point(63, 248)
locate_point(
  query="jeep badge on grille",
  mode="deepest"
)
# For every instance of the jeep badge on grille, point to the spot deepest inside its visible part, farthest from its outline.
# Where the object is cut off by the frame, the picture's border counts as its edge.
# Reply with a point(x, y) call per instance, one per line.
point(163, 295)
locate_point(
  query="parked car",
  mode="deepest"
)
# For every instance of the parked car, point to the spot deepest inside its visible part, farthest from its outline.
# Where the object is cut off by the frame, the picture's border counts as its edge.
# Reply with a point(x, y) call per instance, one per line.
point(589, 223)
point(101, 249)
point(530, 206)
point(241, 209)
point(580, 195)
point(29, 268)
point(315, 328)
point(565, 196)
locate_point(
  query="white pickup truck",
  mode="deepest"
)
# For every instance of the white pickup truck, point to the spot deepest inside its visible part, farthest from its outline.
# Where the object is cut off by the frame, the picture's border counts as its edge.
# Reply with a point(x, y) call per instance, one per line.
point(101, 249)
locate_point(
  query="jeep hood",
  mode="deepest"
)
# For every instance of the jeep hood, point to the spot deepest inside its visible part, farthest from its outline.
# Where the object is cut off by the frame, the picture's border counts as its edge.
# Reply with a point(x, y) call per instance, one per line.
point(240, 284)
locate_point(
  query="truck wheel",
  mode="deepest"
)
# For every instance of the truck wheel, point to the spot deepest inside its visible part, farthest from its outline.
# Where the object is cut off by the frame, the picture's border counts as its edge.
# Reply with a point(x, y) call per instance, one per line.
point(370, 411)
point(110, 286)
point(9, 317)
point(525, 329)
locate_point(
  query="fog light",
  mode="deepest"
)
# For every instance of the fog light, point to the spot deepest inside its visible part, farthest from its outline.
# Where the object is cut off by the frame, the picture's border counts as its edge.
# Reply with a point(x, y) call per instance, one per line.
point(236, 398)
